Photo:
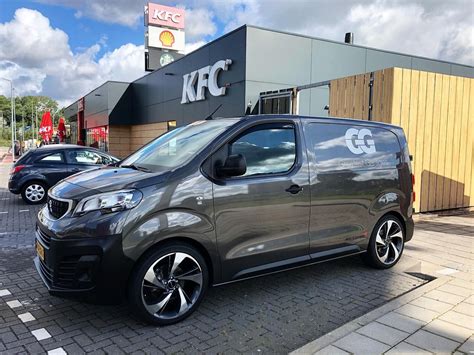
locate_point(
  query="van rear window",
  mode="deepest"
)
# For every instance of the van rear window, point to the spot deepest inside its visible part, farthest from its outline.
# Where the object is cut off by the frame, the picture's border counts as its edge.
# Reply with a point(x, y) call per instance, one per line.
point(352, 147)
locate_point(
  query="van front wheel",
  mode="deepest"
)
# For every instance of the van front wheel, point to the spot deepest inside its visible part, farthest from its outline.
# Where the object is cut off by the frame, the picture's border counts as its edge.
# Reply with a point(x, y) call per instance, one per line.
point(169, 284)
point(386, 243)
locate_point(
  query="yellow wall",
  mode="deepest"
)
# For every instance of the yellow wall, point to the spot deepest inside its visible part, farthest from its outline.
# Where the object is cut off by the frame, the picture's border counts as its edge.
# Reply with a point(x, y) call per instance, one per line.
point(436, 112)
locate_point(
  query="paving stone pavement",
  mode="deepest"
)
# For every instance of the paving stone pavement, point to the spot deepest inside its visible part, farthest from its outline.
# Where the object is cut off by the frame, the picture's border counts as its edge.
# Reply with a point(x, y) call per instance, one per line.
point(439, 320)
point(272, 314)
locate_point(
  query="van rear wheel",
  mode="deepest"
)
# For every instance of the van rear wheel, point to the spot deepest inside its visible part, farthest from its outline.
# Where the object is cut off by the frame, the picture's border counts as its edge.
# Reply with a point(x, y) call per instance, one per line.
point(169, 284)
point(386, 243)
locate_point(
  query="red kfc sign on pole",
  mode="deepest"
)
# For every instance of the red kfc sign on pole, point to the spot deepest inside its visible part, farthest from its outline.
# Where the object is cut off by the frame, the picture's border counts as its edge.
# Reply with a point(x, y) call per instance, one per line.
point(46, 127)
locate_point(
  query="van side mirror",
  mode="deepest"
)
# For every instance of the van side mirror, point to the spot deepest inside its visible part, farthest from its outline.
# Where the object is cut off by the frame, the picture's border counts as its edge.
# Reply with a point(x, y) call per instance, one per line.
point(235, 165)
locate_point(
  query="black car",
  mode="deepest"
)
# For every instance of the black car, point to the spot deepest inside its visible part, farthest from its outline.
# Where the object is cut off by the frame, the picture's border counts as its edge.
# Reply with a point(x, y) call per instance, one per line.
point(39, 169)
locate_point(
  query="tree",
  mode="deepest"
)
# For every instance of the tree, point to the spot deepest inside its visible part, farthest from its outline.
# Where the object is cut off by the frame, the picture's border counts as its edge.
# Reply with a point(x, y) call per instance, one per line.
point(25, 107)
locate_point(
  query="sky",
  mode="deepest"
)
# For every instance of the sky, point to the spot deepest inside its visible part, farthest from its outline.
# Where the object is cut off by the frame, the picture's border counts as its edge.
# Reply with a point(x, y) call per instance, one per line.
point(66, 48)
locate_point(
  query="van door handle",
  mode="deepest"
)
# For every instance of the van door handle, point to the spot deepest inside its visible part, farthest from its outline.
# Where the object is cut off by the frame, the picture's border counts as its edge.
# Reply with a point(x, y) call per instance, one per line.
point(294, 189)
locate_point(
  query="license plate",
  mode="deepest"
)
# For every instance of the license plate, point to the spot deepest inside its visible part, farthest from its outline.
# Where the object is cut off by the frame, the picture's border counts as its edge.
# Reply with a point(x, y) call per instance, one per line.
point(40, 250)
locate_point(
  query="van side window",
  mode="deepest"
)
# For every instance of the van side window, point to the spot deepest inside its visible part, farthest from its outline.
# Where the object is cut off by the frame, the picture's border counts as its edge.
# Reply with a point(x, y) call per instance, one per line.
point(352, 147)
point(268, 148)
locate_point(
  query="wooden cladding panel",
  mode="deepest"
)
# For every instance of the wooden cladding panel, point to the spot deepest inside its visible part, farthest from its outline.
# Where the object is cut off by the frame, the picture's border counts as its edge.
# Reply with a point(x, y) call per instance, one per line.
point(469, 170)
point(346, 102)
point(397, 89)
point(124, 140)
point(436, 112)
point(427, 127)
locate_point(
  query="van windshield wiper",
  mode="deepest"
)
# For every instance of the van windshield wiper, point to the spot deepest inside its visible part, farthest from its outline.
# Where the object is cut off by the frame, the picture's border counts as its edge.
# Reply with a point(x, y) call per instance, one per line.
point(136, 167)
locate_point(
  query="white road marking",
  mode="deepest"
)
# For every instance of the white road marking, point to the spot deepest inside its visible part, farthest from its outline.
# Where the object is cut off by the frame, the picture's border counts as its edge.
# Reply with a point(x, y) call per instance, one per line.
point(4, 198)
point(447, 271)
point(24, 211)
point(41, 334)
point(14, 304)
point(57, 351)
point(3, 212)
point(26, 317)
point(4, 293)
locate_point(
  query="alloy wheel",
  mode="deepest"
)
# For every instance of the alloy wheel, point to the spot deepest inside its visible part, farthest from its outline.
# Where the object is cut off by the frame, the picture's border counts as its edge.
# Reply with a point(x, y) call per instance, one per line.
point(172, 285)
point(389, 242)
point(35, 192)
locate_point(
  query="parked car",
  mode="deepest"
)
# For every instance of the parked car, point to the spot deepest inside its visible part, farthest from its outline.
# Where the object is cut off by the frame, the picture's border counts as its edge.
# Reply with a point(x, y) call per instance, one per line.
point(39, 169)
point(223, 200)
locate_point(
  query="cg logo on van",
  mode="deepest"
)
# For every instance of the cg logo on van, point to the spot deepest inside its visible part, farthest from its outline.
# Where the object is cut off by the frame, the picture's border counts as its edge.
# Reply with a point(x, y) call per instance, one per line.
point(360, 141)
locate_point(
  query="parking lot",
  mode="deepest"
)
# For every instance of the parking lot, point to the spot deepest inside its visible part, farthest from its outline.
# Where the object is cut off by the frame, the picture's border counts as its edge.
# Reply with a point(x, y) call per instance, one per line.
point(271, 314)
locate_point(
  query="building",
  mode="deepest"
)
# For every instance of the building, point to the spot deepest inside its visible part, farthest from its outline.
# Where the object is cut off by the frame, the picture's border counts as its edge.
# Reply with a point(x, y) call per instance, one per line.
point(244, 71)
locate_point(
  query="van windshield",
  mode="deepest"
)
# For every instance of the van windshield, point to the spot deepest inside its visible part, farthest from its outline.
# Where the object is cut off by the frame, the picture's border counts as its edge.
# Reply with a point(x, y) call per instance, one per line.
point(176, 147)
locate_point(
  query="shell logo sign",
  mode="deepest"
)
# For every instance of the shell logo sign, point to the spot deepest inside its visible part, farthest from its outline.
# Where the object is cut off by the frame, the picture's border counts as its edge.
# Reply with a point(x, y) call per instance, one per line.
point(166, 38)
point(159, 37)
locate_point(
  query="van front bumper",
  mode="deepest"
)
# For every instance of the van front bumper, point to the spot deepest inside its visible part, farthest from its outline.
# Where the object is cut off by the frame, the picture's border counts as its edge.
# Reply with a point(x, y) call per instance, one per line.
point(91, 268)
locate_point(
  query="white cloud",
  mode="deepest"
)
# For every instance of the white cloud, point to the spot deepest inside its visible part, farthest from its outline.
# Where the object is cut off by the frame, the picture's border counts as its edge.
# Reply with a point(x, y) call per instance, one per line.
point(438, 29)
point(191, 47)
point(434, 28)
point(411, 28)
point(199, 23)
point(26, 79)
point(123, 12)
point(29, 36)
point(54, 70)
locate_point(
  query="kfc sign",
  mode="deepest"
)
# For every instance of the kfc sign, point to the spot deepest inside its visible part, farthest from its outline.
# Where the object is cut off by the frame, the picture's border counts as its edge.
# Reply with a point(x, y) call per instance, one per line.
point(161, 15)
point(195, 83)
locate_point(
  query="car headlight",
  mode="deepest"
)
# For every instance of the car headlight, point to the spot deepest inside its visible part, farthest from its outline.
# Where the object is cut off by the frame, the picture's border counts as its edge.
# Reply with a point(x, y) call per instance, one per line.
point(109, 202)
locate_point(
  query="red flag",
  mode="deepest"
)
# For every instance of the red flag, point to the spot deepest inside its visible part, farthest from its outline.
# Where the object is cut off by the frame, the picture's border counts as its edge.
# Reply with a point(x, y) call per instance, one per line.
point(46, 127)
point(61, 129)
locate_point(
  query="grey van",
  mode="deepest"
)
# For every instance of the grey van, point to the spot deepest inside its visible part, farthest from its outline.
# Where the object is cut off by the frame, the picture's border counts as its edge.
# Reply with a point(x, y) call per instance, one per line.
point(223, 200)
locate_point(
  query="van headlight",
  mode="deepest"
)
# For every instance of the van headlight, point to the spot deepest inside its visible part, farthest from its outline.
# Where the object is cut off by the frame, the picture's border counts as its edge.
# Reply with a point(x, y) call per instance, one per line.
point(109, 202)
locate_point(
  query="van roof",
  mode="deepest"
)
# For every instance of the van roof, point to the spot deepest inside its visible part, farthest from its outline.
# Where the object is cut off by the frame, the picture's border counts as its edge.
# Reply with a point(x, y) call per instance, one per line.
point(328, 119)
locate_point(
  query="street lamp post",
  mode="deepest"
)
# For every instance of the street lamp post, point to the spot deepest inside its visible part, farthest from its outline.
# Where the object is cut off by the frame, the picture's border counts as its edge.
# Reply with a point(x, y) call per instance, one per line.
point(13, 113)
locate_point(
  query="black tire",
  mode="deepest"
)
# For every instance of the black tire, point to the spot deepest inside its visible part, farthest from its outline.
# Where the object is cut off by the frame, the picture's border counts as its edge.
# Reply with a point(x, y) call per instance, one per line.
point(139, 288)
point(376, 250)
point(41, 192)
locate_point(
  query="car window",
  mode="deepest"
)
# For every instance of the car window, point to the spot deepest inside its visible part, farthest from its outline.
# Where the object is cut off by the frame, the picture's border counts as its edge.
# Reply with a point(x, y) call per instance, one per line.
point(84, 157)
point(352, 147)
point(56, 157)
point(107, 159)
point(268, 149)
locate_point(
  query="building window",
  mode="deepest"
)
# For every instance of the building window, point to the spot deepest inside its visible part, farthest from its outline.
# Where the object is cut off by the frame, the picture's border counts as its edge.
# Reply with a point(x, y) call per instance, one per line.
point(72, 138)
point(98, 138)
point(171, 125)
point(275, 103)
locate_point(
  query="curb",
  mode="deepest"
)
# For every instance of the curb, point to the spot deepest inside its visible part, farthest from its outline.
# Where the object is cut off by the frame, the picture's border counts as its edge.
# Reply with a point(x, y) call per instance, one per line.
point(357, 323)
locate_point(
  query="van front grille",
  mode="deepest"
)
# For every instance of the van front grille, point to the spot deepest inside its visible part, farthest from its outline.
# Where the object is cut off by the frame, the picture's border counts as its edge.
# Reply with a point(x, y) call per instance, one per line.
point(57, 208)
